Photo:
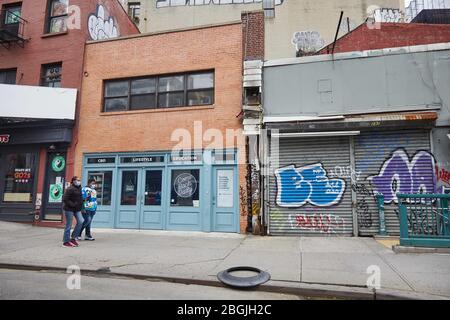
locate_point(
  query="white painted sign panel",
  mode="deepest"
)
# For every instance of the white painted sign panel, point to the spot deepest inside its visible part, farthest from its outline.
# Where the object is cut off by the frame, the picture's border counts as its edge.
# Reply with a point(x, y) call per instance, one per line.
point(37, 102)
point(225, 190)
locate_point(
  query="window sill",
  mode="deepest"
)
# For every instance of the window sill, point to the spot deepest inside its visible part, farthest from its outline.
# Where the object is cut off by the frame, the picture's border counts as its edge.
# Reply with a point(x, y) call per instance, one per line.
point(49, 35)
point(195, 108)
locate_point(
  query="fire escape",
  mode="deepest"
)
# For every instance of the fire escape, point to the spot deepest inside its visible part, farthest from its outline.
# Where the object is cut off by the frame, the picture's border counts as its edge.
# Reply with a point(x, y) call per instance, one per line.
point(12, 29)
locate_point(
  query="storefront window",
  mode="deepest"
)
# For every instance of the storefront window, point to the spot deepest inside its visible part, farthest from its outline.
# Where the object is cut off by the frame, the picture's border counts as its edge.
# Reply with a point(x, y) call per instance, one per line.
point(153, 187)
point(103, 183)
point(19, 177)
point(185, 190)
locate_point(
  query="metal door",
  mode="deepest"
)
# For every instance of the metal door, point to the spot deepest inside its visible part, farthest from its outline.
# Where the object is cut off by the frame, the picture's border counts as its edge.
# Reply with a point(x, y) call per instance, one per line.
point(388, 162)
point(224, 201)
point(308, 194)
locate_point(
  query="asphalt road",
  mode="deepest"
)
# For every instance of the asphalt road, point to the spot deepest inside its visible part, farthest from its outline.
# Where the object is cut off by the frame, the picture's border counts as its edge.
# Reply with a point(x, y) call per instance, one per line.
point(32, 285)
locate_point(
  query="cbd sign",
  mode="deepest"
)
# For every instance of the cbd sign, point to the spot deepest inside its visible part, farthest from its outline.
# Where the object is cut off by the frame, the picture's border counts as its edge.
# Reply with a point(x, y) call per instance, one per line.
point(4, 138)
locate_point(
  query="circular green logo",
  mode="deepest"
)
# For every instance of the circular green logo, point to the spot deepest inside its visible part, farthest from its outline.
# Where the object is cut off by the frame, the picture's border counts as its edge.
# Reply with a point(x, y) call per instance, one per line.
point(58, 164)
point(56, 192)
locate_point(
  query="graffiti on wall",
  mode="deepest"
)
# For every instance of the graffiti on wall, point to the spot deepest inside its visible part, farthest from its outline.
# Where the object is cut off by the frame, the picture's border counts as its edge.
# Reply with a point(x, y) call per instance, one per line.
point(323, 223)
point(442, 175)
point(388, 15)
point(401, 174)
point(243, 201)
point(102, 27)
point(176, 3)
point(309, 184)
point(346, 172)
point(307, 42)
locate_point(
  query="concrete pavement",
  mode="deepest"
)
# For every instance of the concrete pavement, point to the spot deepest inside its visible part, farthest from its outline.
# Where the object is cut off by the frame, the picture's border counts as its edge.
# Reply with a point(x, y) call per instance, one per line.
point(31, 285)
point(304, 266)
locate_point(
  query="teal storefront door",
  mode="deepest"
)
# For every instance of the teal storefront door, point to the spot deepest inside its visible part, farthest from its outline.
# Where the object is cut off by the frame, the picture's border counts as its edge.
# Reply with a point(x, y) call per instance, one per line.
point(225, 202)
point(185, 206)
point(140, 199)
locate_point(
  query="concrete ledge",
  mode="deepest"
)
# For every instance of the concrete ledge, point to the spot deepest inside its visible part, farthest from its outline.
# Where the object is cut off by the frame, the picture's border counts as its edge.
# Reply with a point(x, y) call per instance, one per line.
point(403, 249)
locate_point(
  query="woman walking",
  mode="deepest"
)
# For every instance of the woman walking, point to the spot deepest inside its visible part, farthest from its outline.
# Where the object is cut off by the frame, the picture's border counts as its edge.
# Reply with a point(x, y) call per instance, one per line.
point(72, 201)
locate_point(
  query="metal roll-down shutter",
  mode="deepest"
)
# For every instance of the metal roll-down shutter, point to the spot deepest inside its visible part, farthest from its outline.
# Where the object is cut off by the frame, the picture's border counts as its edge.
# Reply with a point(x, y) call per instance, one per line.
point(306, 197)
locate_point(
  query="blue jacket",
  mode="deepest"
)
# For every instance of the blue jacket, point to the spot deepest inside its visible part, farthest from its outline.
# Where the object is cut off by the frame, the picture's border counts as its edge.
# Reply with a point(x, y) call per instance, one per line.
point(89, 199)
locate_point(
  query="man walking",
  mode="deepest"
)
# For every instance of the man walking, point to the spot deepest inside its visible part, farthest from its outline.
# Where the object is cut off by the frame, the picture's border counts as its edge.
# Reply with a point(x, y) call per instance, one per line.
point(72, 204)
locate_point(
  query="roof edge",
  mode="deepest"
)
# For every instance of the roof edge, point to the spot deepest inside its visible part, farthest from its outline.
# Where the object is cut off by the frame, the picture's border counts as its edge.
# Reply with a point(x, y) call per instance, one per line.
point(149, 34)
point(358, 54)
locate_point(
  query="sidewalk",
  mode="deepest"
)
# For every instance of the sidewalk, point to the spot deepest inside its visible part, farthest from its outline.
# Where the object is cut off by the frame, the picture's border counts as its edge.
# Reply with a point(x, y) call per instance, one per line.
point(333, 266)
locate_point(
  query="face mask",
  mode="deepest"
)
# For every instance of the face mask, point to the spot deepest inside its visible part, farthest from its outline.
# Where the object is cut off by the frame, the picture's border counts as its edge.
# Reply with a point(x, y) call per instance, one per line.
point(93, 186)
point(77, 183)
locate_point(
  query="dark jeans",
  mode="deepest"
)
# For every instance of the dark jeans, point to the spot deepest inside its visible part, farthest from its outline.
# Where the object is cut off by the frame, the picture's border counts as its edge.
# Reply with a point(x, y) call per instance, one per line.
point(69, 218)
point(88, 216)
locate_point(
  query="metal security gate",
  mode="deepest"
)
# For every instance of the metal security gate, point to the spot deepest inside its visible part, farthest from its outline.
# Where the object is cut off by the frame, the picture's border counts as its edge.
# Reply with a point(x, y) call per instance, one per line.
point(390, 162)
point(306, 195)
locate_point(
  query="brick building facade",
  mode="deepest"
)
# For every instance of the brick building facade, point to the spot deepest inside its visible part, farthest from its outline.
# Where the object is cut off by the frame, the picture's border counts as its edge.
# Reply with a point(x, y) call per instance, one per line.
point(390, 35)
point(160, 130)
point(43, 46)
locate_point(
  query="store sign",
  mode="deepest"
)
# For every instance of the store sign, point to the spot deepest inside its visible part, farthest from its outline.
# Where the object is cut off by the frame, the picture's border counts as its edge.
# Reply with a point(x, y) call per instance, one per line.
point(185, 185)
point(101, 160)
point(186, 158)
point(58, 163)
point(4, 138)
point(55, 193)
point(225, 190)
point(22, 175)
point(151, 159)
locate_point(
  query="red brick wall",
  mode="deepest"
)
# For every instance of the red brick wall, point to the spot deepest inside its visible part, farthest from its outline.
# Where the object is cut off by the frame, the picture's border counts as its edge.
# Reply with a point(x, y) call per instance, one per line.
point(67, 48)
point(217, 47)
point(253, 35)
point(390, 35)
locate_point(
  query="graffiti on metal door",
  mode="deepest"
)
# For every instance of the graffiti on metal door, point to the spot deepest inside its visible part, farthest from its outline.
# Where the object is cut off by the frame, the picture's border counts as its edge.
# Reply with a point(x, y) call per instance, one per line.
point(310, 184)
point(402, 174)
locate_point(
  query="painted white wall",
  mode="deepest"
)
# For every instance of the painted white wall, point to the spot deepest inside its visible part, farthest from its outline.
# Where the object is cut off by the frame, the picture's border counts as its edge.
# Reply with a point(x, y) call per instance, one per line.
point(37, 102)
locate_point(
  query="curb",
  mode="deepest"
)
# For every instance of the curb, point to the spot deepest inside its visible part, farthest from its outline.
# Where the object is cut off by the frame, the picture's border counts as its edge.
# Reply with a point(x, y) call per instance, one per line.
point(403, 249)
point(308, 290)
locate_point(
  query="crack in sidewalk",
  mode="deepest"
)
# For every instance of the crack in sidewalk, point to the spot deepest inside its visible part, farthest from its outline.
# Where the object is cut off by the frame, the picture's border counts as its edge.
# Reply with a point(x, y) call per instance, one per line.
point(391, 266)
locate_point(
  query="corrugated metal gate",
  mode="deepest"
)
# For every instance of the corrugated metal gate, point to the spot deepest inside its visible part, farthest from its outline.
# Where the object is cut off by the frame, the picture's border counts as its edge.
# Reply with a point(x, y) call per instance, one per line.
point(304, 198)
point(390, 162)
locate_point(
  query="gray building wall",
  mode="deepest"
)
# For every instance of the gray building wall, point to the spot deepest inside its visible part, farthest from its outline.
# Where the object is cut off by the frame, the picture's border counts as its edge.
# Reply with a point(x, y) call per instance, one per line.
point(402, 79)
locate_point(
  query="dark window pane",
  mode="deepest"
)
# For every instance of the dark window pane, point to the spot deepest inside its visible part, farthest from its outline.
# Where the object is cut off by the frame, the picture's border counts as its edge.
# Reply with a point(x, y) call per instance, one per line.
point(129, 188)
point(196, 98)
point(201, 81)
point(103, 181)
point(116, 89)
point(12, 15)
point(52, 75)
point(170, 100)
point(147, 101)
point(19, 177)
point(167, 84)
point(185, 190)
point(153, 187)
point(116, 104)
point(8, 77)
point(143, 86)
